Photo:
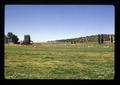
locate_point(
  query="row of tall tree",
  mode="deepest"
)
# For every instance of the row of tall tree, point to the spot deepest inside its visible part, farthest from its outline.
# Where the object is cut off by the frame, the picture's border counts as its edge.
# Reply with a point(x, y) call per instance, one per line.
point(100, 38)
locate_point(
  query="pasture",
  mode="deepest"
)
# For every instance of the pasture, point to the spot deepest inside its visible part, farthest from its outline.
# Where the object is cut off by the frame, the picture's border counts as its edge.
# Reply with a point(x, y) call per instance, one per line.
point(59, 61)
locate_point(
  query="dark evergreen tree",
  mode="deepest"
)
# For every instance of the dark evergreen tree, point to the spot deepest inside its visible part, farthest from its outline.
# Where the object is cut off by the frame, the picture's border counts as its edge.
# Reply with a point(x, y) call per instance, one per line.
point(72, 42)
point(102, 39)
point(99, 39)
point(111, 39)
point(15, 39)
point(12, 38)
point(10, 35)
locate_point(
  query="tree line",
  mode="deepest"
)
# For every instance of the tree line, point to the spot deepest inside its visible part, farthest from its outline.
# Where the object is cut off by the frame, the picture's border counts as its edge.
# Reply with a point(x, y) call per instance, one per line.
point(100, 38)
point(12, 38)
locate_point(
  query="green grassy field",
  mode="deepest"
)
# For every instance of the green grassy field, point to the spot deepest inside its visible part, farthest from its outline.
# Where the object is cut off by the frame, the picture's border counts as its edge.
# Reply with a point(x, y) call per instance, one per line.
point(59, 61)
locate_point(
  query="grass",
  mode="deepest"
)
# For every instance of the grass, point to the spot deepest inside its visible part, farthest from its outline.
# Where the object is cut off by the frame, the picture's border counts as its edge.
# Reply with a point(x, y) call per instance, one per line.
point(60, 61)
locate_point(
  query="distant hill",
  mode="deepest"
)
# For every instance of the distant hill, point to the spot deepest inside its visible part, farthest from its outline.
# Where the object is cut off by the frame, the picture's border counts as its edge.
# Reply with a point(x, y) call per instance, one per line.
point(92, 38)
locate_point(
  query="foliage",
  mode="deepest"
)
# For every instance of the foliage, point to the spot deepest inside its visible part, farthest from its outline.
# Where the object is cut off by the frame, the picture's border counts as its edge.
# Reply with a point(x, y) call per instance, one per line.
point(102, 40)
point(10, 35)
point(111, 39)
point(99, 41)
point(13, 37)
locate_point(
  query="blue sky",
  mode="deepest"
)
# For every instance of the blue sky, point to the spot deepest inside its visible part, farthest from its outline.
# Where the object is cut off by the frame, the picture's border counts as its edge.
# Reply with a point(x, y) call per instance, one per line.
point(51, 22)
